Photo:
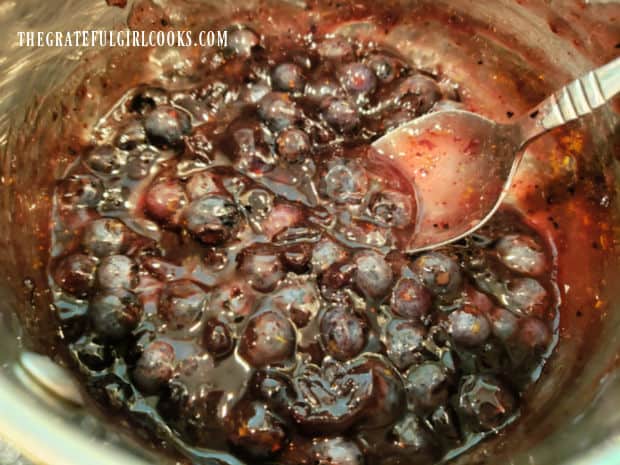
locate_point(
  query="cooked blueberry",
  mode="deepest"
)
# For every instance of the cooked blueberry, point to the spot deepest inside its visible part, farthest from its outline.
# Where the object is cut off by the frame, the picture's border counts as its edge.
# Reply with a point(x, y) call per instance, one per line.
point(341, 114)
point(297, 257)
point(182, 304)
point(254, 92)
point(115, 313)
point(384, 67)
point(373, 274)
point(346, 182)
point(165, 126)
point(274, 387)
point(526, 296)
point(251, 152)
point(404, 343)
point(325, 254)
point(278, 110)
point(147, 99)
point(104, 236)
point(299, 300)
point(212, 219)
point(410, 299)
point(106, 159)
point(534, 334)
point(444, 423)
point(256, 430)
point(439, 273)
point(231, 300)
point(93, 353)
point(117, 271)
point(392, 208)
point(263, 270)
point(75, 274)
point(469, 327)
point(343, 333)
point(418, 93)
point(321, 88)
point(288, 77)
point(243, 41)
point(79, 190)
point(358, 78)
point(323, 451)
point(201, 184)
point(521, 254)
point(216, 338)
point(164, 200)
point(503, 323)
point(485, 402)
point(139, 164)
point(269, 338)
point(131, 136)
point(427, 385)
point(335, 48)
point(293, 144)
point(154, 368)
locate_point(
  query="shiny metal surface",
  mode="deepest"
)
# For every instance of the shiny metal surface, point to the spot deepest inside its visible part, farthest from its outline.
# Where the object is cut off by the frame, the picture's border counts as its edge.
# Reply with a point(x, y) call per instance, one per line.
point(574, 419)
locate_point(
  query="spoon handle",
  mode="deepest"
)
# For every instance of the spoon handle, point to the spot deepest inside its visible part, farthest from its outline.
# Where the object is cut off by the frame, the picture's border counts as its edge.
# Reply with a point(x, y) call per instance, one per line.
point(576, 99)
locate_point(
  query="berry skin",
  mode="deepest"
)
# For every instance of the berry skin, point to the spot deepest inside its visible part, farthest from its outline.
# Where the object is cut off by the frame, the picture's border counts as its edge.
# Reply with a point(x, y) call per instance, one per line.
point(469, 327)
point(439, 274)
point(217, 339)
point(212, 219)
point(341, 114)
point(115, 313)
point(418, 93)
point(288, 77)
point(521, 254)
point(255, 430)
point(346, 183)
point(392, 209)
point(410, 299)
point(404, 342)
point(154, 367)
point(106, 160)
point(79, 191)
point(182, 304)
point(358, 78)
point(117, 272)
point(164, 200)
point(343, 333)
point(293, 144)
point(75, 274)
point(243, 41)
point(485, 401)
point(373, 275)
point(263, 270)
point(165, 127)
point(269, 338)
point(105, 236)
point(278, 110)
point(427, 385)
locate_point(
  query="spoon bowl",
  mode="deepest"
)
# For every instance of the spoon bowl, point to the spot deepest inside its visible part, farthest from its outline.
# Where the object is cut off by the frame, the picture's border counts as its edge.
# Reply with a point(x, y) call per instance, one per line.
point(461, 164)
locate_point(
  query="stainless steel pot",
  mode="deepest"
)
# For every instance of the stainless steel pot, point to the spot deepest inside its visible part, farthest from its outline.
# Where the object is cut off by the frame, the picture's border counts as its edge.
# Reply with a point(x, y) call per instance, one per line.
point(506, 54)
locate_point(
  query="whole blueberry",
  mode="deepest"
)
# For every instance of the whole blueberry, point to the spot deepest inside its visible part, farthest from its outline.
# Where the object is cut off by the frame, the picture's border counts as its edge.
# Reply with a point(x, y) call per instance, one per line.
point(79, 191)
point(404, 343)
point(534, 334)
point(521, 254)
point(357, 78)
point(106, 160)
point(343, 333)
point(216, 338)
point(469, 327)
point(263, 270)
point(212, 219)
point(335, 48)
point(410, 299)
point(278, 110)
point(418, 93)
point(243, 41)
point(147, 98)
point(341, 114)
point(131, 135)
point(503, 323)
point(322, 87)
point(182, 304)
point(115, 313)
point(104, 236)
point(392, 208)
point(293, 144)
point(140, 163)
point(384, 67)
point(165, 126)
point(526, 296)
point(439, 273)
point(325, 254)
point(288, 77)
point(201, 184)
point(427, 385)
point(75, 274)
point(154, 367)
point(117, 271)
point(373, 274)
point(346, 182)
point(164, 200)
point(269, 338)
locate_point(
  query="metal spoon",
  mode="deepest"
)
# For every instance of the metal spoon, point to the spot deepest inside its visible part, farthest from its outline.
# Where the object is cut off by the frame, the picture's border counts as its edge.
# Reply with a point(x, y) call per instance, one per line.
point(462, 164)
